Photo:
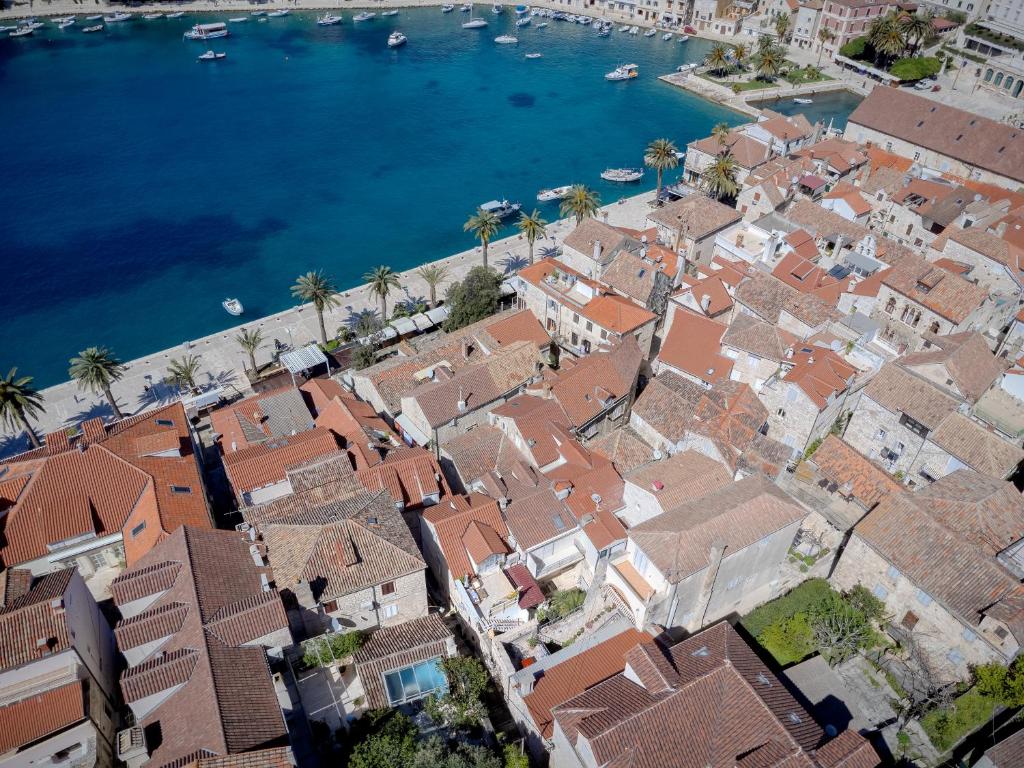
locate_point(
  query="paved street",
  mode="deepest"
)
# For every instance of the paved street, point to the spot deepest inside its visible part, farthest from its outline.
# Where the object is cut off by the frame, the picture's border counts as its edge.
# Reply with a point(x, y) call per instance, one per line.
point(222, 360)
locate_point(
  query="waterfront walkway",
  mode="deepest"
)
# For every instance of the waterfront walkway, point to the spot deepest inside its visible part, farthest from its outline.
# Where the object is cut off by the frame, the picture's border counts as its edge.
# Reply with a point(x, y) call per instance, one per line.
point(222, 361)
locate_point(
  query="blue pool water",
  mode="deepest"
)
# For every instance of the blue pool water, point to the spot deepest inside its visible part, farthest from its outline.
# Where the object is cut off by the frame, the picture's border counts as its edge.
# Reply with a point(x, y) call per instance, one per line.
point(139, 187)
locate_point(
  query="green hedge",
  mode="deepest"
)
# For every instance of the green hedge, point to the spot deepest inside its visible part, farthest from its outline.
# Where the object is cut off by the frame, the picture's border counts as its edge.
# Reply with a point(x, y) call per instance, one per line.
point(916, 68)
point(854, 49)
point(945, 727)
point(799, 600)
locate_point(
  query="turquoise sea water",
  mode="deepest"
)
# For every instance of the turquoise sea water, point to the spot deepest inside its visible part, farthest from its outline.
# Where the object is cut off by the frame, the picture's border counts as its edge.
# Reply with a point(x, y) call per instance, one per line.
point(139, 187)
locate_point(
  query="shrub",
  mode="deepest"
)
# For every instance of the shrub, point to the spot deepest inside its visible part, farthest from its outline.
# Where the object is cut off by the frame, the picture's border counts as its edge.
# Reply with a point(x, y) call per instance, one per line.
point(799, 600)
point(363, 356)
point(462, 705)
point(561, 604)
point(861, 598)
point(855, 49)
point(474, 298)
point(515, 757)
point(916, 68)
point(947, 725)
point(812, 448)
point(324, 650)
point(789, 640)
point(1005, 685)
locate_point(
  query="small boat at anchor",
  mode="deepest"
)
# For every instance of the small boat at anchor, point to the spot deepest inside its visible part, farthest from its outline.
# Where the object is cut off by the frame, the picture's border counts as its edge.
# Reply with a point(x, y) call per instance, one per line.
point(622, 175)
point(624, 28)
point(364, 16)
point(623, 72)
point(650, 32)
point(258, 13)
point(119, 16)
point(466, 8)
point(523, 21)
point(634, 30)
point(152, 16)
point(175, 15)
point(207, 31)
point(522, 10)
point(687, 67)
point(542, 25)
point(95, 28)
point(506, 40)
point(94, 18)
point(447, 8)
point(667, 36)
point(58, 20)
point(328, 20)
point(233, 307)
point(65, 24)
point(497, 9)
point(803, 101)
point(390, 13)
point(278, 13)
point(534, 55)
point(684, 38)
point(238, 19)
point(21, 32)
point(477, 23)
point(555, 193)
point(396, 39)
point(212, 56)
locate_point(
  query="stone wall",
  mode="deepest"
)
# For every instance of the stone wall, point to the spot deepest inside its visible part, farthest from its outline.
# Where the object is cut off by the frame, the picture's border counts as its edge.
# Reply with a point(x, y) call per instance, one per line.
point(863, 434)
point(368, 608)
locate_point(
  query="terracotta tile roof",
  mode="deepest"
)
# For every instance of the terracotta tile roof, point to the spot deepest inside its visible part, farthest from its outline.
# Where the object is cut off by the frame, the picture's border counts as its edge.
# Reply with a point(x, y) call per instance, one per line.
point(30, 624)
point(535, 417)
point(821, 374)
point(976, 446)
point(388, 641)
point(530, 593)
point(854, 473)
point(847, 750)
point(984, 511)
point(474, 453)
point(591, 231)
point(223, 700)
point(518, 326)
point(769, 297)
point(583, 389)
point(748, 334)
point(482, 541)
point(277, 413)
point(678, 541)
point(623, 447)
point(841, 155)
point(36, 717)
point(945, 293)
point(277, 757)
point(595, 495)
point(409, 475)
point(825, 223)
point(1008, 753)
point(693, 345)
point(786, 127)
point(899, 391)
point(680, 478)
point(993, 247)
point(635, 277)
point(538, 518)
point(965, 357)
point(576, 674)
point(451, 525)
point(955, 267)
point(749, 153)
point(809, 278)
point(698, 215)
point(975, 140)
point(267, 463)
point(708, 698)
point(98, 485)
point(803, 244)
point(903, 530)
point(851, 196)
point(714, 288)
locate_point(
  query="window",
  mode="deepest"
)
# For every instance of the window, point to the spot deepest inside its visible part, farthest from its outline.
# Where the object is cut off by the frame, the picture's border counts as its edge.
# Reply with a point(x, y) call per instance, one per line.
point(414, 682)
point(98, 560)
point(590, 326)
point(576, 318)
point(165, 422)
point(781, 413)
point(969, 636)
point(640, 561)
point(387, 588)
point(909, 620)
point(955, 657)
point(880, 592)
point(331, 606)
point(138, 529)
point(917, 156)
point(389, 611)
point(880, 435)
point(890, 305)
point(894, 573)
point(180, 489)
point(924, 598)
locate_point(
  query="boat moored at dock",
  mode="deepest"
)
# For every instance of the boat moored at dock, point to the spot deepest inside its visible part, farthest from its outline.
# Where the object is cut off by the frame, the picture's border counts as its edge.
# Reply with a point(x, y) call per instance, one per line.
point(501, 208)
point(364, 16)
point(555, 193)
point(328, 20)
point(94, 28)
point(622, 175)
point(207, 31)
point(117, 17)
point(233, 307)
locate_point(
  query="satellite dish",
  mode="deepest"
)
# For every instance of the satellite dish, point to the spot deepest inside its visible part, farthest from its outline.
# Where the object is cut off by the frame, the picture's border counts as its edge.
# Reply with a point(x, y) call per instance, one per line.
point(596, 498)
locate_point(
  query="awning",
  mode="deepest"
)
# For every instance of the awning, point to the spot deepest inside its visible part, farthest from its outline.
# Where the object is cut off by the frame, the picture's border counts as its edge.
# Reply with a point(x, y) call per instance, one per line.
point(411, 430)
point(422, 322)
point(404, 325)
point(299, 360)
point(438, 314)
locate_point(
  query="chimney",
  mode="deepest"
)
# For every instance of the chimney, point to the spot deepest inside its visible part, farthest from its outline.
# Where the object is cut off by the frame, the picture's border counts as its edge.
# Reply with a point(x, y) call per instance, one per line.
point(597, 251)
point(57, 442)
point(93, 430)
point(739, 239)
point(838, 247)
point(462, 402)
point(1001, 228)
point(467, 348)
point(657, 485)
point(705, 303)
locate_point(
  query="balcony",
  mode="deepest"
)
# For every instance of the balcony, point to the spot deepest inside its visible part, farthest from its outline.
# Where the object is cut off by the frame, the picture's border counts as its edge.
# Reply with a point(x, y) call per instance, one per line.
point(541, 568)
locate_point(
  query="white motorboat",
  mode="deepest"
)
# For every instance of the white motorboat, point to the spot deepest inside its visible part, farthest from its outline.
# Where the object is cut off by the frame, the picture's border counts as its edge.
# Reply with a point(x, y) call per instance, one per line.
point(650, 32)
point(396, 39)
point(207, 31)
point(522, 10)
point(501, 208)
point(684, 38)
point(258, 13)
point(803, 101)
point(175, 15)
point(466, 8)
point(534, 55)
point(65, 24)
point(94, 18)
point(278, 13)
point(152, 16)
point(7, 29)
point(622, 175)
point(328, 20)
point(390, 13)
point(119, 16)
point(556, 193)
point(687, 67)
point(634, 30)
point(523, 21)
point(667, 36)
point(21, 32)
point(477, 23)
point(506, 40)
point(623, 72)
point(497, 9)
point(95, 28)
point(624, 28)
point(212, 56)
point(571, 18)
point(238, 20)
point(32, 24)
point(447, 8)
point(603, 32)
point(584, 20)
point(542, 25)
point(233, 307)
point(364, 16)
point(58, 20)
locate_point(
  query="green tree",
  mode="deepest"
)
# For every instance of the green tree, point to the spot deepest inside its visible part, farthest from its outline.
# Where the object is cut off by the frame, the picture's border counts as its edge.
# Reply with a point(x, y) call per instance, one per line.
point(916, 67)
point(96, 369)
point(19, 401)
point(1004, 684)
point(661, 155)
point(183, 371)
point(840, 629)
point(718, 180)
point(364, 355)
point(789, 640)
point(532, 227)
point(462, 705)
point(721, 134)
point(391, 742)
point(825, 36)
point(381, 280)
point(433, 275)
point(740, 52)
point(475, 297)
point(769, 62)
point(515, 757)
point(782, 27)
point(484, 225)
point(915, 28)
point(887, 38)
point(717, 59)
point(561, 604)
point(317, 288)
point(581, 202)
point(250, 339)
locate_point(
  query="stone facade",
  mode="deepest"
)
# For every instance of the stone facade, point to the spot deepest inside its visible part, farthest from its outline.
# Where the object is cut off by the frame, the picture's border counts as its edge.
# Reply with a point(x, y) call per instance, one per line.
point(371, 608)
point(793, 418)
point(874, 429)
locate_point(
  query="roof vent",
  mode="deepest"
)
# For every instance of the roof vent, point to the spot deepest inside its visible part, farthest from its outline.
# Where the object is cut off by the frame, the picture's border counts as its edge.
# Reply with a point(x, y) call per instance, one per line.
point(795, 718)
point(701, 652)
point(762, 678)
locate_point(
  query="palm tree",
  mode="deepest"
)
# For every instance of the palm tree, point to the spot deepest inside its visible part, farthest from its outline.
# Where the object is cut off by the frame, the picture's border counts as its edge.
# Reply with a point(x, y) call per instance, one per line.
point(183, 371)
point(719, 179)
point(915, 27)
point(532, 227)
point(433, 275)
point(96, 369)
point(721, 133)
point(19, 400)
point(887, 38)
point(484, 225)
point(781, 26)
point(381, 280)
point(769, 63)
point(581, 202)
point(661, 156)
point(250, 340)
point(317, 288)
point(764, 42)
point(740, 51)
point(717, 59)
point(825, 35)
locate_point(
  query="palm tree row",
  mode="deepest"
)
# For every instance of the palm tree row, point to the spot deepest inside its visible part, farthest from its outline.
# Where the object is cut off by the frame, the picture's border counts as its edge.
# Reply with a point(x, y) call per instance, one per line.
point(896, 33)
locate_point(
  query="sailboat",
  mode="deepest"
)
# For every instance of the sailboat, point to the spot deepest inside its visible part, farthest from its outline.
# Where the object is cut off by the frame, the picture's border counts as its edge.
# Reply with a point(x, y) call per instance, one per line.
point(474, 23)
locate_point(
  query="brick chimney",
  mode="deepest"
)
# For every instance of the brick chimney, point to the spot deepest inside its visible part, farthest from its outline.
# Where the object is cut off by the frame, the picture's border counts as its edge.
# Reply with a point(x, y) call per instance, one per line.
point(93, 430)
point(57, 442)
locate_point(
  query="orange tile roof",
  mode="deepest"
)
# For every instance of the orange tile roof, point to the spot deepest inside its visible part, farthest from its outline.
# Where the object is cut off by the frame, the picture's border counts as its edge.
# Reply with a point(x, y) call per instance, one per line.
point(693, 345)
point(267, 463)
point(578, 673)
point(409, 475)
point(820, 373)
point(451, 523)
point(853, 198)
point(807, 277)
point(36, 717)
point(714, 288)
point(521, 326)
